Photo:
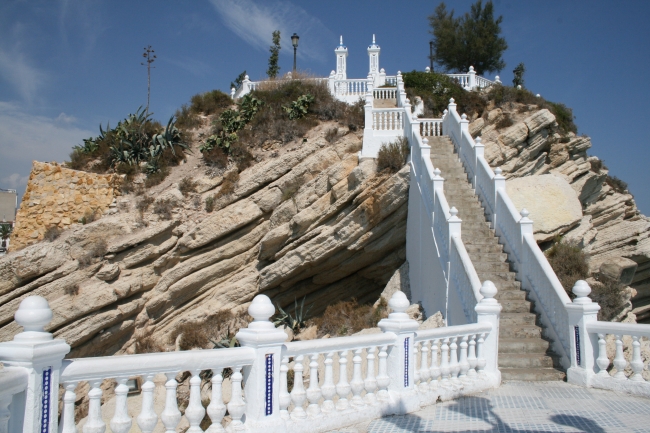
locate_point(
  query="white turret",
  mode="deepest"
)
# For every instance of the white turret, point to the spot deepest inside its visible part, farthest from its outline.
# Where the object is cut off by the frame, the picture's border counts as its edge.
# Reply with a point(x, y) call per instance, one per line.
point(373, 55)
point(341, 61)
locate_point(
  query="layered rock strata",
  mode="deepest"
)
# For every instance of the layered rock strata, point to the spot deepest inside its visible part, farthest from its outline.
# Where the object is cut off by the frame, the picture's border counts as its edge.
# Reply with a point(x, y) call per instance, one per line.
point(310, 222)
point(610, 225)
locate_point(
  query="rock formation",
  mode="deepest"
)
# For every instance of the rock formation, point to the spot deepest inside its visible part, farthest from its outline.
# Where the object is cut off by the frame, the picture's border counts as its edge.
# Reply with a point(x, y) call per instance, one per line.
point(609, 226)
point(308, 220)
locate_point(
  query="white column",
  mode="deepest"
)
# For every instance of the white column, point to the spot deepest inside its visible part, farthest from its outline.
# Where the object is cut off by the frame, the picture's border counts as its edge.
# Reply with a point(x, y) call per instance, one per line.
point(472, 78)
point(401, 365)
point(583, 345)
point(341, 61)
point(121, 421)
point(488, 310)
point(525, 228)
point(262, 378)
point(499, 184)
point(37, 351)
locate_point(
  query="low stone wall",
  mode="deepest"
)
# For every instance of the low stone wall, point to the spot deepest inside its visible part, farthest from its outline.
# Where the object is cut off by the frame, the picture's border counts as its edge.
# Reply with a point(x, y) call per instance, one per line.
point(58, 196)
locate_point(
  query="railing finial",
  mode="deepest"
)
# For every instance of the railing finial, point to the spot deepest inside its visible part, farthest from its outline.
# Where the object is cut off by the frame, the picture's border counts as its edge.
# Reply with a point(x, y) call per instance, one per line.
point(488, 290)
point(452, 101)
point(261, 309)
point(582, 290)
point(463, 116)
point(453, 212)
point(33, 315)
point(498, 171)
point(436, 172)
point(524, 213)
point(425, 141)
point(478, 141)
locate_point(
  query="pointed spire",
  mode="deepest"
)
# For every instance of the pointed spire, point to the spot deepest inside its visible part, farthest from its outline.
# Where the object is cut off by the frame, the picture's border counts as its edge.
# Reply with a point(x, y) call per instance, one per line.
point(341, 40)
point(373, 38)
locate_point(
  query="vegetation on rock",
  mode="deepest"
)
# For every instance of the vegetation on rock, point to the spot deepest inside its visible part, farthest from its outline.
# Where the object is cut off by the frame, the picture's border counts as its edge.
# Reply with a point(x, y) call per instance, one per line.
point(274, 68)
point(392, 156)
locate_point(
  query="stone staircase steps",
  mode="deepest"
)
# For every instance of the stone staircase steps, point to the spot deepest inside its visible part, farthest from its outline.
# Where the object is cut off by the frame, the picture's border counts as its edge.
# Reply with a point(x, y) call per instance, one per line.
point(523, 353)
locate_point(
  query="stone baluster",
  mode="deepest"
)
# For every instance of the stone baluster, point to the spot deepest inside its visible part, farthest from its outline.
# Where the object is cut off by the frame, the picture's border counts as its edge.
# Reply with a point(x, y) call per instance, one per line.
point(481, 362)
point(370, 383)
point(236, 405)
point(298, 395)
point(602, 360)
point(67, 418)
point(424, 365)
point(637, 362)
point(434, 371)
point(343, 387)
point(216, 408)
point(471, 357)
point(121, 421)
point(444, 361)
point(285, 397)
point(453, 355)
point(195, 410)
point(463, 362)
point(619, 360)
point(313, 392)
point(95, 423)
point(170, 416)
point(148, 418)
point(328, 390)
point(357, 380)
point(382, 377)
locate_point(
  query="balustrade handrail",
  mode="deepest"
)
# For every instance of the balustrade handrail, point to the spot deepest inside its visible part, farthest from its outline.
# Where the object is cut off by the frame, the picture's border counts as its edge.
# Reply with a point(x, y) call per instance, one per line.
point(617, 328)
point(104, 367)
point(470, 328)
point(307, 347)
point(13, 380)
point(468, 266)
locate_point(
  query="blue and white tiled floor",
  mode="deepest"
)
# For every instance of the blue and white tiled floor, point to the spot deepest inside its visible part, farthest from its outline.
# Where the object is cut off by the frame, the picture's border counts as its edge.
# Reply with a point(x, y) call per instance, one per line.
point(518, 407)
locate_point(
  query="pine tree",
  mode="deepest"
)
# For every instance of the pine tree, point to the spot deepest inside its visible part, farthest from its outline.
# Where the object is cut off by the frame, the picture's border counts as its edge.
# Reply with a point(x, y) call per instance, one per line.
point(471, 40)
point(519, 75)
point(274, 68)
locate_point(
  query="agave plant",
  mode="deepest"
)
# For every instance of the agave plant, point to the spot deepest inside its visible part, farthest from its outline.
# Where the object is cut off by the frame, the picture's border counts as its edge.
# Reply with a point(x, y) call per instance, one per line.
point(229, 340)
point(297, 322)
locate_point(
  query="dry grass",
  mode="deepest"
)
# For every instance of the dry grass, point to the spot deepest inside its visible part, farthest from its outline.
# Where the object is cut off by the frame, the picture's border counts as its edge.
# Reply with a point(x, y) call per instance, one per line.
point(209, 204)
point(187, 186)
point(331, 135)
point(348, 317)
point(504, 122)
point(610, 296)
point(229, 183)
point(51, 233)
point(206, 334)
point(95, 250)
point(148, 345)
point(569, 263)
point(143, 203)
point(163, 208)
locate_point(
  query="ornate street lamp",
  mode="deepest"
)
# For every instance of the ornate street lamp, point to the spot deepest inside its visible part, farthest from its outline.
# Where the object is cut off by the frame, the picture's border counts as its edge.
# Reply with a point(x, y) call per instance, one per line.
point(294, 42)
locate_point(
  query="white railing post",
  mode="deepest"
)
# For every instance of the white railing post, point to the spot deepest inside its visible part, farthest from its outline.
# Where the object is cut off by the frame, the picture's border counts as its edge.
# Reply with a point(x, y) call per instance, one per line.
point(330, 83)
point(438, 185)
point(479, 151)
point(454, 226)
point(525, 228)
point(382, 78)
point(401, 92)
point(232, 92)
point(472, 78)
point(581, 312)
point(37, 351)
point(499, 184)
point(488, 310)
point(401, 363)
point(262, 377)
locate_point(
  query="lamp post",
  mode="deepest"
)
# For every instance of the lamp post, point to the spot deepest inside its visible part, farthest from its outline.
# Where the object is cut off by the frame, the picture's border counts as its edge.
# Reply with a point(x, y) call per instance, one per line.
point(431, 55)
point(294, 42)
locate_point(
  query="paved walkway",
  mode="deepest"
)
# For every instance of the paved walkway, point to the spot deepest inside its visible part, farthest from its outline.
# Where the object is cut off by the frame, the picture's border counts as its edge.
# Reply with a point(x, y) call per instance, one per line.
point(518, 407)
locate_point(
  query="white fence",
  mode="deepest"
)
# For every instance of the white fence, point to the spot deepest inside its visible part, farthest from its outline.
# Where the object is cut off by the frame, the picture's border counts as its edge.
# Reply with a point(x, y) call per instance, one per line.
point(471, 81)
point(336, 382)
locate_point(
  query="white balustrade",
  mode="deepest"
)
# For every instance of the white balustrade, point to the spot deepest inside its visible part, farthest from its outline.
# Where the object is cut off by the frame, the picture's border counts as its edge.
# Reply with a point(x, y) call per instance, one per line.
point(606, 355)
point(388, 119)
point(385, 93)
point(430, 127)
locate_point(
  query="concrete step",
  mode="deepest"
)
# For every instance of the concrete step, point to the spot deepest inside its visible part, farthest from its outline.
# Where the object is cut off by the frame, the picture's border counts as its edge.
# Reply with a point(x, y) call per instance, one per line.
point(488, 257)
point(484, 249)
point(523, 331)
point(523, 345)
point(515, 306)
point(525, 360)
point(468, 239)
point(482, 266)
point(497, 277)
point(517, 319)
point(532, 374)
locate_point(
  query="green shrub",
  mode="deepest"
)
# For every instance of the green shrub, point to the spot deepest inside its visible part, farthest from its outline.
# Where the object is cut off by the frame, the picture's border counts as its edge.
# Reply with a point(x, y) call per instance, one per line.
point(610, 296)
point(156, 177)
point(331, 135)
point(563, 116)
point(209, 204)
point(299, 108)
point(392, 156)
point(569, 263)
point(504, 122)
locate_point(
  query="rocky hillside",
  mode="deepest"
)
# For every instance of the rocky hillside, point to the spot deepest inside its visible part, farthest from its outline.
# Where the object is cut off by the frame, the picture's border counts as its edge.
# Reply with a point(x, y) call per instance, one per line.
point(305, 219)
point(524, 140)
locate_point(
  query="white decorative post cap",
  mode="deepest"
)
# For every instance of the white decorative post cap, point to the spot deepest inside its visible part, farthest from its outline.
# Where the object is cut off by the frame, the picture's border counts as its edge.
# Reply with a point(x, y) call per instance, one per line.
point(488, 290)
point(519, 87)
point(498, 171)
point(261, 309)
point(478, 141)
point(33, 315)
point(425, 142)
point(582, 290)
point(471, 68)
point(463, 117)
point(427, 69)
point(453, 212)
point(261, 332)
point(398, 302)
point(538, 95)
point(398, 321)
point(452, 101)
point(524, 213)
point(247, 78)
point(399, 73)
point(436, 172)
point(382, 70)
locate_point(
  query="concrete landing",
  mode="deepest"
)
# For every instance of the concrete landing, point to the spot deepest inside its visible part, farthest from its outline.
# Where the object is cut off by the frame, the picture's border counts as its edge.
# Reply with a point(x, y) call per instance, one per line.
point(518, 407)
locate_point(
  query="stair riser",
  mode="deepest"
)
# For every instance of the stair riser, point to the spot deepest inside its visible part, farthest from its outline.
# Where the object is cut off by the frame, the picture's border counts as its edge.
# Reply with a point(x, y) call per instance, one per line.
point(536, 375)
point(519, 332)
point(525, 362)
point(516, 319)
point(511, 306)
point(519, 346)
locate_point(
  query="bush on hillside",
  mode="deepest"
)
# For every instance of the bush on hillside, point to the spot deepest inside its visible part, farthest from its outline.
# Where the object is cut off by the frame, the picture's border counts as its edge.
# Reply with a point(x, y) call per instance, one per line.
point(392, 156)
point(348, 317)
point(208, 103)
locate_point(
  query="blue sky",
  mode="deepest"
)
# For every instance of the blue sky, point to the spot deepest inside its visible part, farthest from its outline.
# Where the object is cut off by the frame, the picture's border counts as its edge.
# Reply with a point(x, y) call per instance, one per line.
point(67, 65)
